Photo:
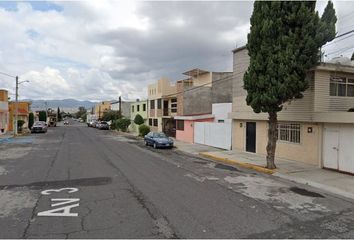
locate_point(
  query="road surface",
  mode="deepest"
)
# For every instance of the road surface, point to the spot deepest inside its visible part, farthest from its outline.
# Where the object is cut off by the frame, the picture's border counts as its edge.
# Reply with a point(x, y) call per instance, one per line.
point(80, 182)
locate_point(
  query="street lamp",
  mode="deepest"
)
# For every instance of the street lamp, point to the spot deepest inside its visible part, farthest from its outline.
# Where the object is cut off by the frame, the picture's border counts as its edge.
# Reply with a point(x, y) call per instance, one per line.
point(16, 108)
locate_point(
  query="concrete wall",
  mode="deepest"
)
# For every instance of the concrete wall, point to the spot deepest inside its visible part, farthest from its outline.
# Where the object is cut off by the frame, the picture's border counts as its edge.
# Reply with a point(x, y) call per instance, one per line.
point(197, 101)
point(308, 150)
point(221, 89)
point(221, 111)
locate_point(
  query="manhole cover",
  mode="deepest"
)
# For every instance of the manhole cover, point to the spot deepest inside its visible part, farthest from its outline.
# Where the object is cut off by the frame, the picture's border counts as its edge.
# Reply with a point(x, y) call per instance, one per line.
point(225, 167)
point(305, 192)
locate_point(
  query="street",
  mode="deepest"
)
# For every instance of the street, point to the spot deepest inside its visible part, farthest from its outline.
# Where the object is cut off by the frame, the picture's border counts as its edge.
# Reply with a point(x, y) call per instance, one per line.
point(80, 182)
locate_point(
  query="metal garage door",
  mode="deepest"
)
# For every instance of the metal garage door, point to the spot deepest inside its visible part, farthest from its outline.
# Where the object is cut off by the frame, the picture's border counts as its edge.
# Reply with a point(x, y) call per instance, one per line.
point(213, 134)
point(338, 147)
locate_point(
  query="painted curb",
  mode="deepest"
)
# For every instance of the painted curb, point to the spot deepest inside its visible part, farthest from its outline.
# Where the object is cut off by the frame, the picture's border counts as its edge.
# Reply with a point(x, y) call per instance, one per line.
point(239, 163)
point(323, 187)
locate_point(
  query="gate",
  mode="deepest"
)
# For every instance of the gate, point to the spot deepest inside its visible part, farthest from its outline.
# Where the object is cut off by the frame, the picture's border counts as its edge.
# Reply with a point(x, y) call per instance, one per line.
point(213, 134)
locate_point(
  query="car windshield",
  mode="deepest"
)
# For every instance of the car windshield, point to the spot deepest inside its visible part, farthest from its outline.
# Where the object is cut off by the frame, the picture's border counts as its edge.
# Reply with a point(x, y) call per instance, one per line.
point(38, 124)
point(160, 135)
point(103, 122)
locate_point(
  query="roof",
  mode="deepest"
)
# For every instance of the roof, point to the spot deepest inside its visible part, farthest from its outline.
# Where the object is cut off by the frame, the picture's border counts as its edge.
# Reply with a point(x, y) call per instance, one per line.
point(239, 49)
point(195, 72)
point(194, 117)
point(336, 67)
point(22, 111)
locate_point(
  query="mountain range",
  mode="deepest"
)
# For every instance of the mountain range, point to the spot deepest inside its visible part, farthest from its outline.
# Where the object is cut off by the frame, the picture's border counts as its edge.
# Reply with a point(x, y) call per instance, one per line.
point(66, 105)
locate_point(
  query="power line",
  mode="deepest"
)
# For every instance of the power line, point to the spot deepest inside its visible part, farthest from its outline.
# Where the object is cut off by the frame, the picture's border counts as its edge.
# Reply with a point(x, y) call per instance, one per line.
point(351, 31)
point(341, 50)
point(338, 40)
point(6, 74)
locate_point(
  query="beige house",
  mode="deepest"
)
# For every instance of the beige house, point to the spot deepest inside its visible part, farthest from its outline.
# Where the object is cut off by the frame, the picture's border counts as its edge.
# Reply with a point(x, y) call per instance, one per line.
point(101, 108)
point(317, 129)
point(162, 106)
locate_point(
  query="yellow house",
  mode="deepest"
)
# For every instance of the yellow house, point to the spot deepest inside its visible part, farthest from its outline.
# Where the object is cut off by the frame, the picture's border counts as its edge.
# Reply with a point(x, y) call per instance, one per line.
point(23, 112)
point(162, 106)
point(4, 111)
point(101, 108)
point(317, 129)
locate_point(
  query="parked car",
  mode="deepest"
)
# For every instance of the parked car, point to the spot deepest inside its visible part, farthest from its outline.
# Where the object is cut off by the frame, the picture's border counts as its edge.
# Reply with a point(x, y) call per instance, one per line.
point(95, 124)
point(66, 122)
point(158, 139)
point(103, 126)
point(39, 127)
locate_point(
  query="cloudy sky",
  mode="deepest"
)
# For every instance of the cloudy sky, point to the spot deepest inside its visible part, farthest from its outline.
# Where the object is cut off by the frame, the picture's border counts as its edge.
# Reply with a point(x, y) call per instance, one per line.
point(98, 50)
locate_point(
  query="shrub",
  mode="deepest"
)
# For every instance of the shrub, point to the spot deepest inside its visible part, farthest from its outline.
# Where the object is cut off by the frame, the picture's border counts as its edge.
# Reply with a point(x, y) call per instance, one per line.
point(138, 120)
point(122, 124)
point(20, 124)
point(143, 130)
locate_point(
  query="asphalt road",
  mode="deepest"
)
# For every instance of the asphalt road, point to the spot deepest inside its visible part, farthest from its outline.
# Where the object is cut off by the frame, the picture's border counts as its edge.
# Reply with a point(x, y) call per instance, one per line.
point(80, 182)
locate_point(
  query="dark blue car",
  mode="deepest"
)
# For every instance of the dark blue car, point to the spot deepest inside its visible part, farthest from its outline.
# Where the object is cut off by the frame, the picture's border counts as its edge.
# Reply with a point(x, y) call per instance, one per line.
point(158, 140)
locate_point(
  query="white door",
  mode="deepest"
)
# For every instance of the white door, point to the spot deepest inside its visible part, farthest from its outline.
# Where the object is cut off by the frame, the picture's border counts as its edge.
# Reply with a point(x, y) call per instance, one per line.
point(346, 149)
point(330, 147)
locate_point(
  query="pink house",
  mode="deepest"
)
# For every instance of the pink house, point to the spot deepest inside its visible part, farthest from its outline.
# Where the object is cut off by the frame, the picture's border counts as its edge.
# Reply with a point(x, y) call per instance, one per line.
point(185, 126)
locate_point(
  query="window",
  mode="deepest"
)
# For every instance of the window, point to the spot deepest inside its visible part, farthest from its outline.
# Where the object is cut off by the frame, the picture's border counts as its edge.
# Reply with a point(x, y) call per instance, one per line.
point(289, 132)
point(144, 107)
point(341, 86)
point(152, 104)
point(173, 100)
point(132, 108)
point(180, 125)
point(150, 121)
point(221, 121)
point(155, 122)
point(174, 105)
point(137, 108)
point(158, 103)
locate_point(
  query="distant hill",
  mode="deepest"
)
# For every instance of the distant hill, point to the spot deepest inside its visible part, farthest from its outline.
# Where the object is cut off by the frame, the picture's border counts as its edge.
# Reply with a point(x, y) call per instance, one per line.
point(66, 105)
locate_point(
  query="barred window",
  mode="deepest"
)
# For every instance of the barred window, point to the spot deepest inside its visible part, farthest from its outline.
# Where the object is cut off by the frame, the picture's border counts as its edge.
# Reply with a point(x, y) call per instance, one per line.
point(152, 104)
point(180, 125)
point(155, 122)
point(150, 121)
point(288, 132)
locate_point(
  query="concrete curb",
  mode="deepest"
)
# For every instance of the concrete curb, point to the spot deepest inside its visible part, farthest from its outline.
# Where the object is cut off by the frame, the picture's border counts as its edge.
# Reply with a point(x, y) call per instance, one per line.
point(239, 163)
point(316, 185)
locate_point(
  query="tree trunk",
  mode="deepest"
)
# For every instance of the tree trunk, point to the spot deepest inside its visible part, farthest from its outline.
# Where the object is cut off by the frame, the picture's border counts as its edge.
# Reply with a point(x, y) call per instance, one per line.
point(272, 139)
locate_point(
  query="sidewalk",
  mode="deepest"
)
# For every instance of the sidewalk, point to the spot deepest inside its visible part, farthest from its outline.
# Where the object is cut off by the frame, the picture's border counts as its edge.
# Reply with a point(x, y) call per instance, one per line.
point(5, 137)
point(330, 181)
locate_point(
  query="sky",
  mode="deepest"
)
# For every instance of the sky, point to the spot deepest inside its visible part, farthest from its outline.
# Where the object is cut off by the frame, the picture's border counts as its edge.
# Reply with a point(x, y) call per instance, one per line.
point(99, 50)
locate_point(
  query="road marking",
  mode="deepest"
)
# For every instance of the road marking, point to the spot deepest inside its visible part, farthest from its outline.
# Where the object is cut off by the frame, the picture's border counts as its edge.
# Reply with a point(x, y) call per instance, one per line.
point(70, 190)
point(62, 211)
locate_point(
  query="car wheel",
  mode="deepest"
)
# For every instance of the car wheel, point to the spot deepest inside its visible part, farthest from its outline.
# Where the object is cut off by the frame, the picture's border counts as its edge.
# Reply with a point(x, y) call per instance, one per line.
point(146, 143)
point(155, 146)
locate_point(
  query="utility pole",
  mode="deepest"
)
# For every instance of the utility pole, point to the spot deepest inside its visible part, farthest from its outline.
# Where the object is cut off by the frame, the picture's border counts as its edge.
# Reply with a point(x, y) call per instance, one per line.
point(16, 108)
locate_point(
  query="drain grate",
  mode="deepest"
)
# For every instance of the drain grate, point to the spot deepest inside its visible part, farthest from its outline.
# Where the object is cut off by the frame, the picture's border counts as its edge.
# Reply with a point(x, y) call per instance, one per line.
point(305, 192)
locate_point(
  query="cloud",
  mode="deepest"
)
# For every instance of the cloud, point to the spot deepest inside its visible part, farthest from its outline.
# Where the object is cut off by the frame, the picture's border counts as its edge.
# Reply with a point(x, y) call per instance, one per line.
point(100, 50)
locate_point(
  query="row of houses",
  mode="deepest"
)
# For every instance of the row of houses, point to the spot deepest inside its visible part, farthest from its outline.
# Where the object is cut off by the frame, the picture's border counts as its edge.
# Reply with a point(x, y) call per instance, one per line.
point(8, 112)
point(210, 108)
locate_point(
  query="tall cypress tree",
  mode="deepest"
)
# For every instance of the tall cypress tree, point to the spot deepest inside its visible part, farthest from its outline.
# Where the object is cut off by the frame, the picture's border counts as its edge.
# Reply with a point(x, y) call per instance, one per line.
point(352, 58)
point(283, 45)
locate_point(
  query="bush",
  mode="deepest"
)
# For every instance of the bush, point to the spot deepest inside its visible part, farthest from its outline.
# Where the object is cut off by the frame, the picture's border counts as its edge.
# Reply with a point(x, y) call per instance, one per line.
point(138, 120)
point(122, 124)
point(143, 130)
point(20, 124)
point(42, 116)
point(111, 115)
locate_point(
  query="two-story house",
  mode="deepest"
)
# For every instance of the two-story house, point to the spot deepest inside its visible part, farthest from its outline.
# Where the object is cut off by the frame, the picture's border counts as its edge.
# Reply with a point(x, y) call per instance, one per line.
point(198, 95)
point(122, 106)
point(137, 107)
point(162, 106)
point(23, 110)
point(101, 108)
point(317, 129)
point(4, 111)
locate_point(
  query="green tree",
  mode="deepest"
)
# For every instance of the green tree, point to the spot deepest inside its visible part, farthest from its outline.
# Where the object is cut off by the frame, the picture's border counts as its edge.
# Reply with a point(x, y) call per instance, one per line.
point(30, 120)
point(59, 115)
point(143, 130)
point(283, 45)
point(138, 120)
point(352, 58)
point(42, 116)
point(122, 124)
point(111, 115)
point(20, 124)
